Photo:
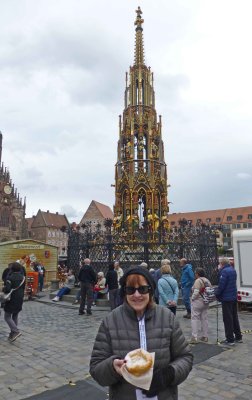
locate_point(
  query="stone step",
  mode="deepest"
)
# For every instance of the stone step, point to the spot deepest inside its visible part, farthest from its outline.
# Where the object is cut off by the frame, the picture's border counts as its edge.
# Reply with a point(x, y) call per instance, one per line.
point(101, 302)
point(69, 298)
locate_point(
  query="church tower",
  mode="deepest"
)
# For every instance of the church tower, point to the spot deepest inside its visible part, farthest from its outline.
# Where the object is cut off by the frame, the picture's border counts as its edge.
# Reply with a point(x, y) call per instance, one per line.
point(12, 207)
point(140, 171)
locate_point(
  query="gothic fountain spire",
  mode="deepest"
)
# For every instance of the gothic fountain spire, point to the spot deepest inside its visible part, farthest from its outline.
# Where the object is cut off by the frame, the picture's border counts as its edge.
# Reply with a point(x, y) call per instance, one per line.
point(140, 175)
point(139, 44)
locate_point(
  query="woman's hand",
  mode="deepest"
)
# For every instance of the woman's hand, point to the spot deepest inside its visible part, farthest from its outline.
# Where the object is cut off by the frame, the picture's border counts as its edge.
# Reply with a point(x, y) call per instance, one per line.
point(117, 364)
point(171, 303)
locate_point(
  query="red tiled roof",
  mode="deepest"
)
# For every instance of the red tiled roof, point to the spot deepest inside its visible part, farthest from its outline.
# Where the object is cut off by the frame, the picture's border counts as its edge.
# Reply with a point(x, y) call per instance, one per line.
point(215, 216)
point(54, 219)
point(105, 211)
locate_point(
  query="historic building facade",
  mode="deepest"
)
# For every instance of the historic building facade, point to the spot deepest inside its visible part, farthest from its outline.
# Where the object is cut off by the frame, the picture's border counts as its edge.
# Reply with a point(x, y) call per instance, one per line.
point(95, 216)
point(47, 227)
point(12, 208)
point(140, 172)
point(228, 219)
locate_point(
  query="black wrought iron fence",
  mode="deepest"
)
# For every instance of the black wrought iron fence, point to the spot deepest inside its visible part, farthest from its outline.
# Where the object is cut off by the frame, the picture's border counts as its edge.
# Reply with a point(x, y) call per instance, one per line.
point(196, 244)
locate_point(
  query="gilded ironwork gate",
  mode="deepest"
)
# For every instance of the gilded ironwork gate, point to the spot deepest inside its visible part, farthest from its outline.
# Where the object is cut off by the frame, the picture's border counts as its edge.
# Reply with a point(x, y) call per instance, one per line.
point(195, 243)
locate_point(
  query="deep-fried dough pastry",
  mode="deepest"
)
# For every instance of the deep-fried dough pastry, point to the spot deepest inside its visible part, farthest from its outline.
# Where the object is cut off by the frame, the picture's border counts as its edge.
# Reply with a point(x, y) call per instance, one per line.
point(138, 361)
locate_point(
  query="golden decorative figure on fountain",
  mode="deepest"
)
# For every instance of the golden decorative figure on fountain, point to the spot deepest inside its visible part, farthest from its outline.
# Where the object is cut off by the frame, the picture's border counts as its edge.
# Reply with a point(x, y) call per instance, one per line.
point(135, 220)
point(165, 222)
point(117, 221)
point(156, 221)
point(150, 221)
point(128, 221)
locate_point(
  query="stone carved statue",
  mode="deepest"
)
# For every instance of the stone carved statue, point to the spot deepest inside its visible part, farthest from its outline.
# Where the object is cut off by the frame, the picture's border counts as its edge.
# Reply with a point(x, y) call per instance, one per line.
point(128, 149)
point(154, 150)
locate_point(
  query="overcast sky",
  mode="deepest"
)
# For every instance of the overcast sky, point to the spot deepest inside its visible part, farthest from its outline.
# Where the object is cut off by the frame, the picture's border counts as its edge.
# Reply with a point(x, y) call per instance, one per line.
point(62, 80)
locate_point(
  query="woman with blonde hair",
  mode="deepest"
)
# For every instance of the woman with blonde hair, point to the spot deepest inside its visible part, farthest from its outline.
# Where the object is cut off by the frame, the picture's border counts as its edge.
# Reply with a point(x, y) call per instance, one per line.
point(168, 287)
point(100, 286)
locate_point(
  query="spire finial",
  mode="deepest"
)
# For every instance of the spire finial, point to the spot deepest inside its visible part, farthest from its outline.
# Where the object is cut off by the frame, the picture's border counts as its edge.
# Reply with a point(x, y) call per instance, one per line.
point(139, 21)
point(139, 50)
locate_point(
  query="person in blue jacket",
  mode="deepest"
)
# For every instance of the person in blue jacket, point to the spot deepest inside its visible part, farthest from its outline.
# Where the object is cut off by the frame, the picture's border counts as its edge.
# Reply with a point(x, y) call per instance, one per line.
point(226, 293)
point(168, 287)
point(187, 280)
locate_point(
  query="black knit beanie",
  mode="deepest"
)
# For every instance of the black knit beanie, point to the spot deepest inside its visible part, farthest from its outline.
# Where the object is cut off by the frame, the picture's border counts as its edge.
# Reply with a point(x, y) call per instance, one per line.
point(137, 271)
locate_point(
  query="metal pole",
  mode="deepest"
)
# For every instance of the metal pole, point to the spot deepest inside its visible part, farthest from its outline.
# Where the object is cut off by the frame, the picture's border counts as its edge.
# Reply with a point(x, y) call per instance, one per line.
point(217, 324)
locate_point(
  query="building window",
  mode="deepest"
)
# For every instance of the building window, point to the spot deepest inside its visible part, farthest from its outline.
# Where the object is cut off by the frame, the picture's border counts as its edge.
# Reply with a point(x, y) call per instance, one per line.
point(239, 217)
point(198, 220)
point(233, 226)
point(249, 216)
point(249, 225)
point(229, 218)
point(226, 226)
point(208, 220)
point(218, 219)
point(5, 218)
point(238, 226)
point(245, 225)
point(13, 224)
point(49, 234)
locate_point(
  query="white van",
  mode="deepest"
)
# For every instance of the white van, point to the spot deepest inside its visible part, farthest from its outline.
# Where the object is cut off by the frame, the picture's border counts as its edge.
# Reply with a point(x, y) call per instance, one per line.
point(242, 247)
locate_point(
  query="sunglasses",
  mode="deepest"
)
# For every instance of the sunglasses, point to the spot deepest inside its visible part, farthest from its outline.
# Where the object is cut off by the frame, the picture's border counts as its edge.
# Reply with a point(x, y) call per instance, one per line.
point(141, 289)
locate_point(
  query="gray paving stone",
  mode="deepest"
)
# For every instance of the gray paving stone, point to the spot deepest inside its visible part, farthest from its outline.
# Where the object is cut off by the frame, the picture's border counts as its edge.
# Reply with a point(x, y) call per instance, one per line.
point(49, 354)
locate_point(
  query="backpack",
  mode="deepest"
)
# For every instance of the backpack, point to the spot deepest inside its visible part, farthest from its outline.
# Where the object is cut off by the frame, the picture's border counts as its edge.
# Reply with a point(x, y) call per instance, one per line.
point(207, 292)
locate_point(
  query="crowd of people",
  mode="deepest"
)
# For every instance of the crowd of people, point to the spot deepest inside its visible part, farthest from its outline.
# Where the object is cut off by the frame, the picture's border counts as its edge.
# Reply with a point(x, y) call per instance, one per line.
point(143, 306)
point(166, 293)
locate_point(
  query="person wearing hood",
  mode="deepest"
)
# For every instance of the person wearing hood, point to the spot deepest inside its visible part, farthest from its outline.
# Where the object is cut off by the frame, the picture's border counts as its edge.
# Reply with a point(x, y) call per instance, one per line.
point(140, 323)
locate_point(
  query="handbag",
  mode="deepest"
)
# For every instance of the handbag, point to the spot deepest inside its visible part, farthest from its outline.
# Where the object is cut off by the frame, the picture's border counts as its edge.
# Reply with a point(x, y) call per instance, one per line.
point(105, 290)
point(4, 297)
point(207, 292)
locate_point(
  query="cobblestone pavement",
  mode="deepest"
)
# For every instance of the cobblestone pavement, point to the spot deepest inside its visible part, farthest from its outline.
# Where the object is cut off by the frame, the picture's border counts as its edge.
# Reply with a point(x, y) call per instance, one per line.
point(56, 343)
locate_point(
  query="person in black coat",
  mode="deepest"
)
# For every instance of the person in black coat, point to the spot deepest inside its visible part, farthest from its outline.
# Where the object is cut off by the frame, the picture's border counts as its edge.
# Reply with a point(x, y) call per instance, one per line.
point(112, 282)
point(6, 272)
point(12, 308)
point(87, 278)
